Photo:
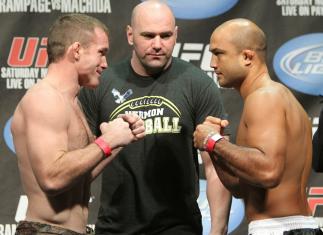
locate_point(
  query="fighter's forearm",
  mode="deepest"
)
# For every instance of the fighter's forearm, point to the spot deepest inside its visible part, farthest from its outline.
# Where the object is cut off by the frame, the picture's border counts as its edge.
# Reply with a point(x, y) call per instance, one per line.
point(228, 179)
point(99, 168)
point(68, 168)
point(249, 164)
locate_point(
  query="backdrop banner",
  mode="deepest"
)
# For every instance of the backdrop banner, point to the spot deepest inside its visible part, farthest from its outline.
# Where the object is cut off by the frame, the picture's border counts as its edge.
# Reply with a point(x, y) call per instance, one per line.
point(295, 58)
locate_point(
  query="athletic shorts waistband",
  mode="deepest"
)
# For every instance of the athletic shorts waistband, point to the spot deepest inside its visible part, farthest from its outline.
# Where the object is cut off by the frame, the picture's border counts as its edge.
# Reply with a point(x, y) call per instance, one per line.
point(278, 225)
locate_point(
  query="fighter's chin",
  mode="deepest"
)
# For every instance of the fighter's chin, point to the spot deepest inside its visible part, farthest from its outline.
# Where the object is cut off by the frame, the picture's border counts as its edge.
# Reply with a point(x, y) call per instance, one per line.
point(221, 82)
point(225, 84)
point(92, 83)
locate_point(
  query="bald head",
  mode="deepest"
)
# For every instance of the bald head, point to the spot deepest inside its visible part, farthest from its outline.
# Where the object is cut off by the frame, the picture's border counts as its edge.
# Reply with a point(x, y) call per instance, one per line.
point(152, 34)
point(152, 9)
point(244, 34)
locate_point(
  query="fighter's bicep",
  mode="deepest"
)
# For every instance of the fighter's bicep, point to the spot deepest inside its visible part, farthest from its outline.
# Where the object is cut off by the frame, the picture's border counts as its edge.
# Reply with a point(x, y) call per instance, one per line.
point(46, 131)
point(265, 121)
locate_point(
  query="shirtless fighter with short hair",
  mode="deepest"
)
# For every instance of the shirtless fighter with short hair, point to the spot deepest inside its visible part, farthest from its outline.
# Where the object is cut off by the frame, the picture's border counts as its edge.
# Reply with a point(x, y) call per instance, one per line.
point(271, 161)
point(57, 155)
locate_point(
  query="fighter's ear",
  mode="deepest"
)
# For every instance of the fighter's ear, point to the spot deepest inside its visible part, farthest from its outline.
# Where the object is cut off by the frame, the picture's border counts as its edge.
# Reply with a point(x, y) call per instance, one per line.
point(248, 56)
point(73, 51)
point(130, 35)
point(175, 32)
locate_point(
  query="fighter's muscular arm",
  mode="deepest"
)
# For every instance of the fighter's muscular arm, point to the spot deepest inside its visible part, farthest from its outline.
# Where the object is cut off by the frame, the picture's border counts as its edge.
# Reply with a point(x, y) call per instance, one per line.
point(264, 134)
point(227, 177)
point(259, 157)
point(47, 119)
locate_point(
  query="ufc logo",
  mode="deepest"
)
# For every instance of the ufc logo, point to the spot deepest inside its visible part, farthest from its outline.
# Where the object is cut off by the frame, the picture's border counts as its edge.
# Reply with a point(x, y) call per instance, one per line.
point(194, 52)
point(317, 200)
point(198, 54)
point(25, 54)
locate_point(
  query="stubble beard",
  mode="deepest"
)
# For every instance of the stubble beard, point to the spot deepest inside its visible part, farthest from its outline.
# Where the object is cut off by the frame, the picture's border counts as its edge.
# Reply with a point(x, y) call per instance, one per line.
point(155, 69)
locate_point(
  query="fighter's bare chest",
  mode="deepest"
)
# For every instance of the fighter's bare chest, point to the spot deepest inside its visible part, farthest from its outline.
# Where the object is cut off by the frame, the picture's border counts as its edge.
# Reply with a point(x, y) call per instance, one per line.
point(79, 133)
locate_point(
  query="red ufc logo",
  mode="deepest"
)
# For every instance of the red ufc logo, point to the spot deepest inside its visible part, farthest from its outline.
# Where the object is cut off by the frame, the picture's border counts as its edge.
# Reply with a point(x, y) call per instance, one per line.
point(24, 54)
point(313, 202)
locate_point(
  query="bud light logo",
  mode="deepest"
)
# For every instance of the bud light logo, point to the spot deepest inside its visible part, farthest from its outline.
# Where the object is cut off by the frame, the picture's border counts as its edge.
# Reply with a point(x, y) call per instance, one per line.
point(299, 63)
point(8, 136)
point(236, 213)
point(193, 9)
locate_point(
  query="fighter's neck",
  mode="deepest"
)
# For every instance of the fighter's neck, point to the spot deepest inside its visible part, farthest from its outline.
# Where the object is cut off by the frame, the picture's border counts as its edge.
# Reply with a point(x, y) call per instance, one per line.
point(253, 82)
point(64, 80)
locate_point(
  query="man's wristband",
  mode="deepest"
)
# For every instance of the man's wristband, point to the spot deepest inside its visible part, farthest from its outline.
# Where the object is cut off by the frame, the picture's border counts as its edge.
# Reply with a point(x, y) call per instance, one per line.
point(104, 146)
point(211, 141)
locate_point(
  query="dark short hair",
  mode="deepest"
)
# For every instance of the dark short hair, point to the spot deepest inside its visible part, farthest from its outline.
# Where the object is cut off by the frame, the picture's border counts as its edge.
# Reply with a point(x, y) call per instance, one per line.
point(68, 29)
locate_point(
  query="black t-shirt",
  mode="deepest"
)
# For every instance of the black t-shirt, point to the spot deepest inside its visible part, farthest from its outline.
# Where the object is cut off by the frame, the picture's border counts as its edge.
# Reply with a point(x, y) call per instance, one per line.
point(152, 185)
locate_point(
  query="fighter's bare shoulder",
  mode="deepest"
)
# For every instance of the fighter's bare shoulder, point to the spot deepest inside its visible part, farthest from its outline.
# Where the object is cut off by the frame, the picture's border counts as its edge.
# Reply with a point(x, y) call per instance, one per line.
point(44, 103)
point(267, 101)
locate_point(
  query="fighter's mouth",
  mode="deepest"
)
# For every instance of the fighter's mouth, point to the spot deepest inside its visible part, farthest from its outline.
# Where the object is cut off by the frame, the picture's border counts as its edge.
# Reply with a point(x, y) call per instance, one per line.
point(156, 55)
